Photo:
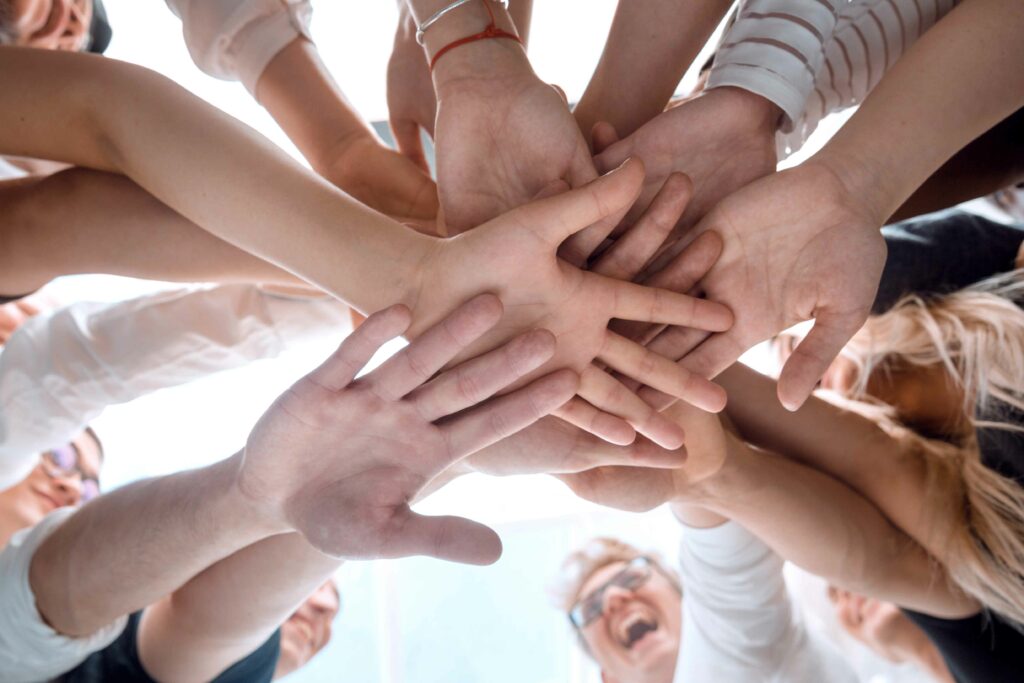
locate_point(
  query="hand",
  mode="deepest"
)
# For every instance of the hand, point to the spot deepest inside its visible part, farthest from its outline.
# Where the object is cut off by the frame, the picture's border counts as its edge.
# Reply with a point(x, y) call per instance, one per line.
point(553, 446)
point(411, 102)
point(381, 178)
point(639, 487)
point(797, 245)
point(339, 459)
point(502, 136)
point(722, 139)
point(15, 313)
point(514, 256)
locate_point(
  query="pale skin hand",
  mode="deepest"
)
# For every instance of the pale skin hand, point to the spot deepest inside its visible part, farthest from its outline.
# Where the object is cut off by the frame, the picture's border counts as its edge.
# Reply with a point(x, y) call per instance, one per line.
point(722, 139)
point(575, 305)
point(650, 45)
point(411, 101)
point(334, 458)
point(299, 92)
point(249, 189)
point(502, 135)
point(797, 245)
point(381, 440)
point(412, 105)
point(807, 241)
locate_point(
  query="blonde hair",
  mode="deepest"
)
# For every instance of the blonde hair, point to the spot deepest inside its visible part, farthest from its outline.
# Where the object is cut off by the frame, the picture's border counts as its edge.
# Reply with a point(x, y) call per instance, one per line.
point(977, 336)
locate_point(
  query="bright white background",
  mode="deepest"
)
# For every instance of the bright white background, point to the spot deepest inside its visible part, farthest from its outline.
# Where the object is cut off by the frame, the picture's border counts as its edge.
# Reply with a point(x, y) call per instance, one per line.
point(411, 621)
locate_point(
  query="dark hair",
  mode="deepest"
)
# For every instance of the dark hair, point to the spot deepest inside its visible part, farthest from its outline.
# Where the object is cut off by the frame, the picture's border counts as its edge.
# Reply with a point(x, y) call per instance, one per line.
point(8, 32)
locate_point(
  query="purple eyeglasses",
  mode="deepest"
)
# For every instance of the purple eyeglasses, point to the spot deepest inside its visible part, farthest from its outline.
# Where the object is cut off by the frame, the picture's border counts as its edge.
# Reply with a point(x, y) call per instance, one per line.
point(66, 461)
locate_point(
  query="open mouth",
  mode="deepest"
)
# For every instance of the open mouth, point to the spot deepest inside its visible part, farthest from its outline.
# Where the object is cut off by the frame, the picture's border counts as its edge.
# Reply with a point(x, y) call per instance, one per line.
point(635, 627)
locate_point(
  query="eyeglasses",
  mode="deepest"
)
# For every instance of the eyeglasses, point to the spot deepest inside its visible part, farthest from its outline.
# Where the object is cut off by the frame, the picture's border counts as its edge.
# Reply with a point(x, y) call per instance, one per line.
point(589, 608)
point(66, 461)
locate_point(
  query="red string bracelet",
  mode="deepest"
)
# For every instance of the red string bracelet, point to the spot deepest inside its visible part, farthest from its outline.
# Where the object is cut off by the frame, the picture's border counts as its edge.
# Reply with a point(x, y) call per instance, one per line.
point(491, 31)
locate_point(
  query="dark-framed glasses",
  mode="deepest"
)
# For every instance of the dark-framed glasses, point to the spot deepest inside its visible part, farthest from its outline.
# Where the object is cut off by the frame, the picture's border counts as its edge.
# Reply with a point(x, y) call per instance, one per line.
point(589, 608)
point(66, 461)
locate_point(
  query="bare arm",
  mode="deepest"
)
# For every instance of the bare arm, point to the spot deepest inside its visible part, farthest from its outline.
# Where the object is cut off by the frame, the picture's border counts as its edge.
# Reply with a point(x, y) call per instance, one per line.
point(300, 93)
point(824, 526)
point(649, 48)
point(806, 516)
point(217, 173)
point(847, 446)
point(960, 79)
point(85, 221)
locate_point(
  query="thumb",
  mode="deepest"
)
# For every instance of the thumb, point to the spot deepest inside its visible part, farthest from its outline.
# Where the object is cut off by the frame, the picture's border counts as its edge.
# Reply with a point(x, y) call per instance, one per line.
point(454, 539)
point(558, 217)
point(814, 354)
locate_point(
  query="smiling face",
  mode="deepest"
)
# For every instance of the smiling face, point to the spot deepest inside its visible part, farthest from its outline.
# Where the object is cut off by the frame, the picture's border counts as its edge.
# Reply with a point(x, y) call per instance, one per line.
point(47, 488)
point(635, 638)
point(308, 630)
point(52, 24)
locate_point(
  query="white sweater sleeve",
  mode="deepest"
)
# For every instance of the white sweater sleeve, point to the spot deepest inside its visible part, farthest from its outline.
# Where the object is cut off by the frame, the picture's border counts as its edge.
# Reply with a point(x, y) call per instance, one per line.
point(739, 624)
point(869, 37)
point(236, 39)
point(60, 371)
point(29, 649)
point(775, 48)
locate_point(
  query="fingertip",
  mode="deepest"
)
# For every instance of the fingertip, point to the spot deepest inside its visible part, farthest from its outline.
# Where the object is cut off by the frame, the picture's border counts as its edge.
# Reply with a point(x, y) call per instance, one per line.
point(614, 430)
point(558, 388)
point(490, 549)
point(488, 306)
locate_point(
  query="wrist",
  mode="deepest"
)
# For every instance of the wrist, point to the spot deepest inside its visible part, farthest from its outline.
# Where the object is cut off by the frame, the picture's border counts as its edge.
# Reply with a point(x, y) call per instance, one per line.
point(721, 482)
point(480, 60)
point(859, 180)
point(757, 112)
point(260, 513)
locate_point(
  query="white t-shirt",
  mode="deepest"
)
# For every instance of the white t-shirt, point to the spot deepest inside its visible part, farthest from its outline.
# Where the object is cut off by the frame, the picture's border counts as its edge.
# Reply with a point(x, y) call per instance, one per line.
point(62, 369)
point(739, 625)
point(30, 650)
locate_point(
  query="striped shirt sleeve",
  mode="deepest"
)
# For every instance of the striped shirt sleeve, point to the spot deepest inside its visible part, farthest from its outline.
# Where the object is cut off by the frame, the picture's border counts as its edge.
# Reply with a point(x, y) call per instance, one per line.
point(775, 49)
point(869, 37)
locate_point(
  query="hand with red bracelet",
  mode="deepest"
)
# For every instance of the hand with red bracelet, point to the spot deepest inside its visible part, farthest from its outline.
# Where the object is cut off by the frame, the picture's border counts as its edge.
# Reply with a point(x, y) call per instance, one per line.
point(502, 134)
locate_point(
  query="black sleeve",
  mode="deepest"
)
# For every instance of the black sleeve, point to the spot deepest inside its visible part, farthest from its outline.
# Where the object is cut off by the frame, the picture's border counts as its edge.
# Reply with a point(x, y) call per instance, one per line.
point(943, 252)
point(982, 648)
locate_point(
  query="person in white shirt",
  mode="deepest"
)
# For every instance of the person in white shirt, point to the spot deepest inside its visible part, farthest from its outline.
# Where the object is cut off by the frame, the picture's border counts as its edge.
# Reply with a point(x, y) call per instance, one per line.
point(743, 511)
point(216, 558)
point(725, 616)
point(61, 369)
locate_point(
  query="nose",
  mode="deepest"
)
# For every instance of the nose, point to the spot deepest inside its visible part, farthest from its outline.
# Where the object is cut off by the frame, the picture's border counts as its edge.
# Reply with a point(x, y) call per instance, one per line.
point(615, 598)
point(67, 489)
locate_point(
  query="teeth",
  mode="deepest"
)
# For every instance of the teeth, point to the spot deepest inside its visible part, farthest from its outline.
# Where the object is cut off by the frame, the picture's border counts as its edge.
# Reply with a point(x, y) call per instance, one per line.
point(627, 623)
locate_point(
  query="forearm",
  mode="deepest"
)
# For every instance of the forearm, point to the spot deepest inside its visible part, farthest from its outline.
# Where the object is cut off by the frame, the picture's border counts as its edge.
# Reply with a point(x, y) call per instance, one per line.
point(960, 79)
point(991, 162)
point(650, 45)
point(828, 529)
point(230, 608)
point(838, 442)
point(302, 96)
point(132, 547)
point(208, 167)
point(84, 221)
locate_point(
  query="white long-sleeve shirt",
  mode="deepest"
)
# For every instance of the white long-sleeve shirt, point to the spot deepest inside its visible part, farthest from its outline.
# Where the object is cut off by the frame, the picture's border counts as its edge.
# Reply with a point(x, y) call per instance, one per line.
point(816, 57)
point(60, 371)
point(739, 623)
point(236, 39)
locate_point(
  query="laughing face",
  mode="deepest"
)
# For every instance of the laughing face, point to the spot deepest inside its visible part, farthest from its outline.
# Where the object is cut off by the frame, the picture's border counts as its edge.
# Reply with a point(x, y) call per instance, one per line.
point(633, 616)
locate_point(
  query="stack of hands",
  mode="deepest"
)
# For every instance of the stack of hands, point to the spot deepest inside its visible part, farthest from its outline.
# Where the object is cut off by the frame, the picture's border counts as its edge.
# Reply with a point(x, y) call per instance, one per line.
point(632, 289)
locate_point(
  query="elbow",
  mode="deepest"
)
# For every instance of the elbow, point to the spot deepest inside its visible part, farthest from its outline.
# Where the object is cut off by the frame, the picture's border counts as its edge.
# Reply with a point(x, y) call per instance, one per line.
point(51, 583)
